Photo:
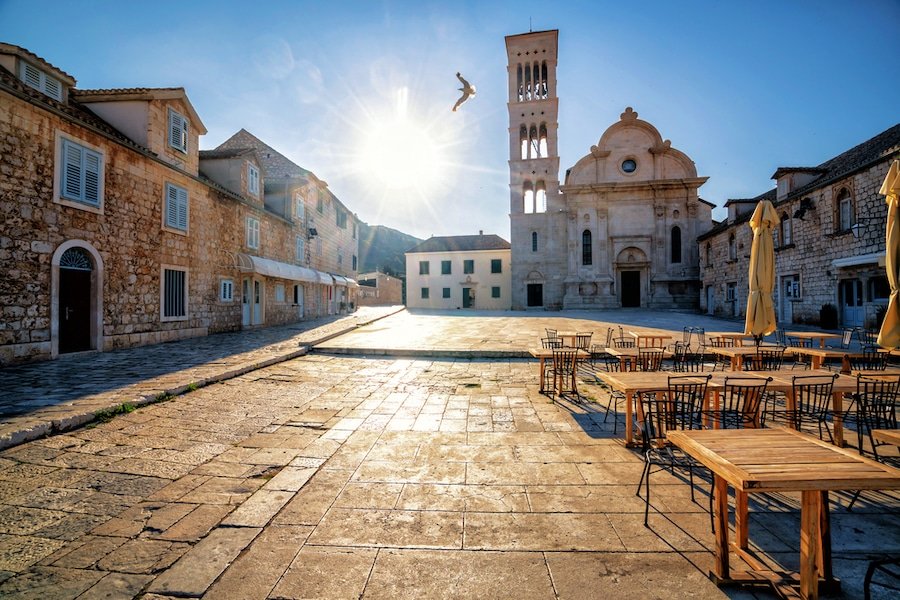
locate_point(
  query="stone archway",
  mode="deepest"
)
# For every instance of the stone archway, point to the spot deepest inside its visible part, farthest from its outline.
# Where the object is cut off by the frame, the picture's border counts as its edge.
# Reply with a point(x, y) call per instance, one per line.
point(631, 274)
point(76, 298)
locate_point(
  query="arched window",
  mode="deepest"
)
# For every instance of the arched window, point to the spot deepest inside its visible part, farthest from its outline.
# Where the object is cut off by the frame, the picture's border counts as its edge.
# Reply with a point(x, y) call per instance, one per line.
point(732, 248)
point(540, 198)
point(587, 253)
point(676, 244)
point(534, 241)
point(542, 141)
point(528, 198)
point(844, 210)
point(708, 254)
point(519, 89)
point(523, 141)
point(537, 80)
point(786, 233)
point(528, 82)
point(533, 146)
point(543, 89)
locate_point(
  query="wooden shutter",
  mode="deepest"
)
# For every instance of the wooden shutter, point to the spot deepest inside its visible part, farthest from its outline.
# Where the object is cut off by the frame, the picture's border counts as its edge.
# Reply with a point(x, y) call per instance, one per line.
point(31, 75)
point(177, 131)
point(71, 171)
point(176, 207)
point(92, 176)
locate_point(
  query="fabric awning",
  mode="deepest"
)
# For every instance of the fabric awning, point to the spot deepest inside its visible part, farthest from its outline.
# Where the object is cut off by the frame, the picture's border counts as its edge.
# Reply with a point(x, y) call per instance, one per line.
point(351, 282)
point(875, 258)
point(338, 280)
point(323, 278)
point(273, 268)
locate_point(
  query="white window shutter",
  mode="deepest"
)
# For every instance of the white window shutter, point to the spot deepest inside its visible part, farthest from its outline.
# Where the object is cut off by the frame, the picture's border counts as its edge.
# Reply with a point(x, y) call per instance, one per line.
point(72, 171)
point(31, 75)
point(182, 209)
point(171, 205)
point(177, 131)
point(91, 177)
point(52, 87)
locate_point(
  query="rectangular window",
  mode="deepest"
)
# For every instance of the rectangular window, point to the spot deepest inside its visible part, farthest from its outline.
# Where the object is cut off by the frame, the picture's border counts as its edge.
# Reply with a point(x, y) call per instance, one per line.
point(252, 233)
point(178, 131)
point(318, 246)
point(846, 214)
point(496, 265)
point(82, 174)
point(354, 262)
point(297, 294)
point(468, 267)
point(174, 292)
point(176, 207)
point(299, 206)
point(354, 230)
point(320, 202)
point(253, 180)
point(423, 267)
point(495, 292)
point(730, 290)
point(301, 248)
point(226, 290)
point(424, 293)
point(445, 267)
point(340, 257)
point(445, 292)
point(279, 292)
point(340, 217)
point(40, 81)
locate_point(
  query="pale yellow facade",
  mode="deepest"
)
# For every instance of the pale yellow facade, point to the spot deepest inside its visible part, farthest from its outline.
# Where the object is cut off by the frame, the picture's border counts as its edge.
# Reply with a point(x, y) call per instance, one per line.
point(480, 289)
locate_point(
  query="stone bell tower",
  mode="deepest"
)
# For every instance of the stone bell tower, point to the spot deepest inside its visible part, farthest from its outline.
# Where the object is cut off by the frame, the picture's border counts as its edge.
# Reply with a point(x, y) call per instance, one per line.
point(536, 209)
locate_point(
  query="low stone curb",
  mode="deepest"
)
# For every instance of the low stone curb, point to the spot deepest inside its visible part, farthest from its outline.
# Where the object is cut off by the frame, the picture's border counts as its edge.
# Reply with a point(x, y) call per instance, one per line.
point(423, 352)
point(82, 416)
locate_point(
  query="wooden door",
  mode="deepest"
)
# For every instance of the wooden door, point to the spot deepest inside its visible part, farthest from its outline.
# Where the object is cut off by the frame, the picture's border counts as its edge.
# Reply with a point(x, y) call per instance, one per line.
point(74, 310)
point(631, 289)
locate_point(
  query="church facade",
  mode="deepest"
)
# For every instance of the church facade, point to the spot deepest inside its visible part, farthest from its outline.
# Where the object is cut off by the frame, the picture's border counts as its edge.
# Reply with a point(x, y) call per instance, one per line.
point(621, 230)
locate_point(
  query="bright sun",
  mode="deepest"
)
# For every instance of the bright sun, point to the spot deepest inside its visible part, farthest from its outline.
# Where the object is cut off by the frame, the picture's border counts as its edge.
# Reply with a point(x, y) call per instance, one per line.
point(401, 153)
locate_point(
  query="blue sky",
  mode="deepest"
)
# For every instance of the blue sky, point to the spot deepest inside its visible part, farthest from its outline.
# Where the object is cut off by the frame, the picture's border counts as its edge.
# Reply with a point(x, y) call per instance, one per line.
point(740, 87)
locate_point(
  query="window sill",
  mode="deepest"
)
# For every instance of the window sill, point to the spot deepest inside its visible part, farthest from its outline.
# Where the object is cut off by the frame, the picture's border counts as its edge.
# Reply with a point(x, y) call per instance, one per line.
point(786, 247)
point(175, 230)
point(730, 261)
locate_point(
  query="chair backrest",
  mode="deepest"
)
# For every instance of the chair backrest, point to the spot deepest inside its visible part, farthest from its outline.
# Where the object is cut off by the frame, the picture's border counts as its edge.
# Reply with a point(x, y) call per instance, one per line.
point(609, 336)
point(564, 360)
point(866, 337)
point(685, 360)
point(869, 359)
point(551, 333)
point(722, 342)
point(813, 395)
point(583, 340)
point(876, 401)
point(780, 337)
point(794, 342)
point(680, 408)
point(551, 342)
point(623, 342)
point(650, 359)
point(686, 336)
point(768, 359)
point(740, 401)
point(700, 332)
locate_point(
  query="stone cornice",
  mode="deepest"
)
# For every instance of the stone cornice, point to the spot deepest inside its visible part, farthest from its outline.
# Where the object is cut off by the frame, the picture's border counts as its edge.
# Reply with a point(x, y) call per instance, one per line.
point(621, 186)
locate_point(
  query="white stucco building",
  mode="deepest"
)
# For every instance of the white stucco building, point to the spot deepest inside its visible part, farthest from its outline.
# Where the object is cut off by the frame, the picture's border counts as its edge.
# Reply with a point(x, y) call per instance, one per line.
point(461, 271)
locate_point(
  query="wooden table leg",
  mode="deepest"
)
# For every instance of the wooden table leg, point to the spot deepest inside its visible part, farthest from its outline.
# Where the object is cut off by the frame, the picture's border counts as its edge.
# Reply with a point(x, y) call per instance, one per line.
point(721, 570)
point(741, 519)
point(629, 433)
point(543, 372)
point(810, 507)
point(817, 362)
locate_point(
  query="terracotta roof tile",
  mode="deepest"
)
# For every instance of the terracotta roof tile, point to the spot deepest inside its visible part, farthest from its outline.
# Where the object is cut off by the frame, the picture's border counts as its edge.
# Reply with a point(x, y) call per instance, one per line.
point(461, 243)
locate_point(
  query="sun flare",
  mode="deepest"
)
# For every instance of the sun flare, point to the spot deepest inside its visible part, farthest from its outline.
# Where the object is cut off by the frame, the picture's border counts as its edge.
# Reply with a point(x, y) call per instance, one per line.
point(401, 152)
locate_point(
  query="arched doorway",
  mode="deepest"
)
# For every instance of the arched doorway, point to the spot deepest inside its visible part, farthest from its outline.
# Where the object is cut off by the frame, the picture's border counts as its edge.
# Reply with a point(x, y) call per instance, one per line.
point(76, 298)
point(630, 264)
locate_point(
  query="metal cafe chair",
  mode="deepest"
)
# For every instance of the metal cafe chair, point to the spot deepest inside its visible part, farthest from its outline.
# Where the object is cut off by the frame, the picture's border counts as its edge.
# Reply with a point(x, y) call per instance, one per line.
point(563, 371)
point(740, 402)
point(876, 401)
point(551, 343)
point(649, 359)
point(624, 342)
point(685, 360)
point(869, 359)
point(804, 361)
point(766, 359)
point(812, 396)
point(678, 408)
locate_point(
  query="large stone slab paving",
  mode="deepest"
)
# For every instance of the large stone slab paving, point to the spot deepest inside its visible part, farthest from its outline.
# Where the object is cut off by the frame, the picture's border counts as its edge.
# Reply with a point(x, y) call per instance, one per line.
point(413, 574)
point(397, 528)
point(327, 573)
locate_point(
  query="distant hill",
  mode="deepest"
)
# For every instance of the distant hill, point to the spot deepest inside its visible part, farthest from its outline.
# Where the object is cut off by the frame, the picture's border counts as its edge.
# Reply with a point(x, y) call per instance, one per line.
point(381, 248)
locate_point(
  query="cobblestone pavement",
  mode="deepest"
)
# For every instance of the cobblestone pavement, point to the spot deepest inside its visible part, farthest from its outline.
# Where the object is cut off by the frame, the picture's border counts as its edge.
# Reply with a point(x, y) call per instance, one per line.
point(58, 395)
point(331, 476)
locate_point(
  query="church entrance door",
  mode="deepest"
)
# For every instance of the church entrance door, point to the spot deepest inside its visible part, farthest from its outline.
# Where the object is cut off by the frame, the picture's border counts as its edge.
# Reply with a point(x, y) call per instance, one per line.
point(631, 289)
point(535, 294)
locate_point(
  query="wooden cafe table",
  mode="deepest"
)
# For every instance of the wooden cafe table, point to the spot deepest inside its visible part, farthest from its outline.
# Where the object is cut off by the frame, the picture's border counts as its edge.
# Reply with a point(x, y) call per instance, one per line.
point(737, 336)
point(627, 356)
point(755, 461)
point(650, 340)
point(888, 436)
point(737, 353)
point(813, 335)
